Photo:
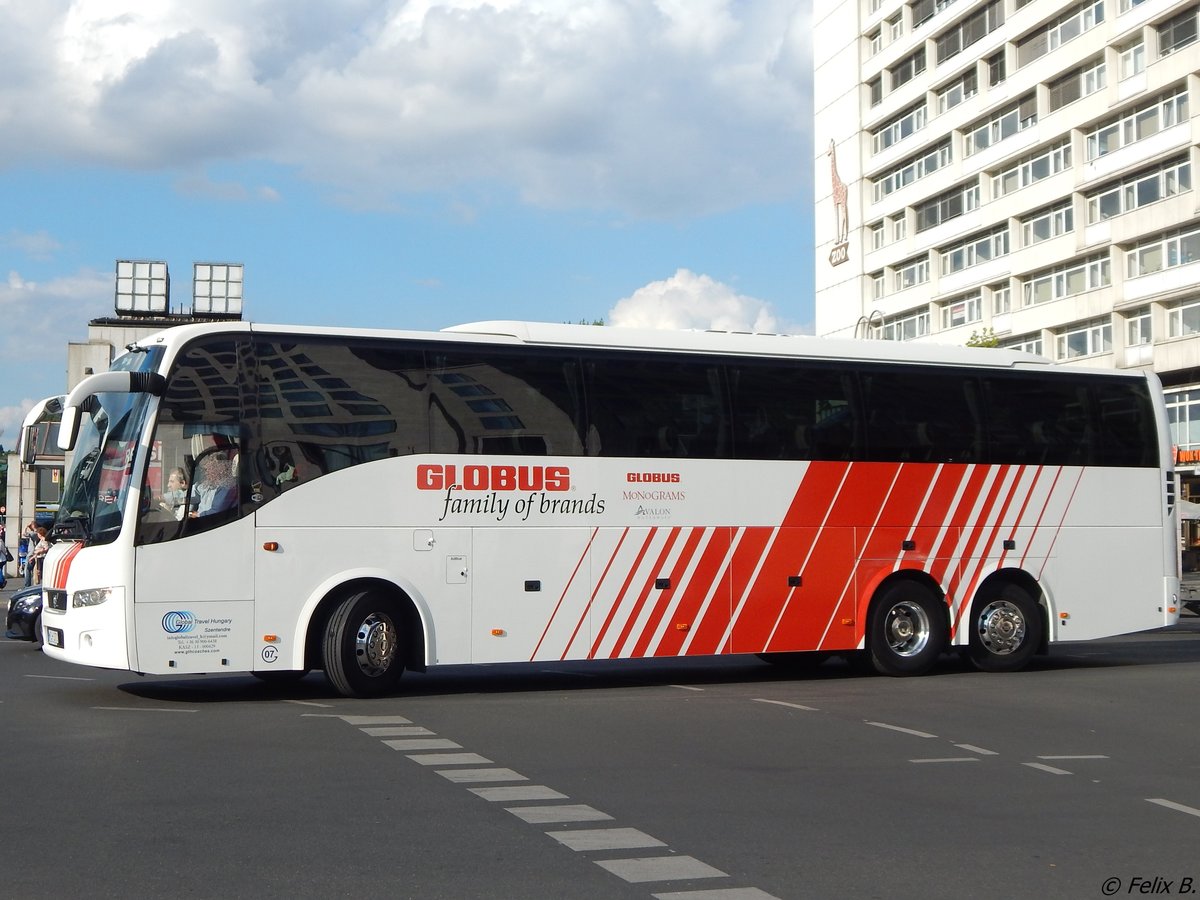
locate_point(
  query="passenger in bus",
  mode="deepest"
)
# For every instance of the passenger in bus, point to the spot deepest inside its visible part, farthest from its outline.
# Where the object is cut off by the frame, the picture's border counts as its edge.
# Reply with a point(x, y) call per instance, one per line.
point(174, 498)
point(216, 491)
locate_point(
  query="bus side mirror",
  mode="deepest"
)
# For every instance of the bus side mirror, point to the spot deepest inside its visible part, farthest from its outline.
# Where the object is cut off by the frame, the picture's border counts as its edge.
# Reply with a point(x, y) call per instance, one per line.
point(68, 428)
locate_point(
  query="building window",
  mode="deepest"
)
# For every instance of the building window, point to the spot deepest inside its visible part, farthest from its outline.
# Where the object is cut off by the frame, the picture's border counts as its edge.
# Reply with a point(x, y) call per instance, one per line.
point(877, 285)
point(997, 65)
point(1137, 124)
point(1079, 83)
point(1084, 339)
point(1030, 343)
point(975, 250)
point(958, 91)
point(906, 326)
point(875, 87)
point(1047, 223)
point(874, 42)
point(922, 12)
point(911, 170)
point(873, 6)
point(947, 206)
point(1137, 328)
point(908, 68)
point(1132, 58)
point(1032, 169)
point(1126, 5)
point(899, 227)
point(895, 27)
point(973, 28)
point(911, 273)
point(999, 126)
point(1168, 252)
point(1140, 190)
point(904, 125)
point(1066, 27)
point(1001, 299)
point(961, 311)
point(1067, 280)
point(1183, 319)
point(1178, 32)
point(876, 236)
point(1183, 415)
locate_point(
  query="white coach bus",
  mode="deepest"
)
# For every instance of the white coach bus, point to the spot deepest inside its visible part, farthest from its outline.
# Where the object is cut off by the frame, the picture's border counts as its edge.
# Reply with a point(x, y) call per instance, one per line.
point(276, 499)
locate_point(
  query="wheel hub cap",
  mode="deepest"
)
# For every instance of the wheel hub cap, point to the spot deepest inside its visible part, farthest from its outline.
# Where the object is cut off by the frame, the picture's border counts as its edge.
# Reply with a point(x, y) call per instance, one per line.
point(1001, 627)
point(907, 629)
point(375, 644)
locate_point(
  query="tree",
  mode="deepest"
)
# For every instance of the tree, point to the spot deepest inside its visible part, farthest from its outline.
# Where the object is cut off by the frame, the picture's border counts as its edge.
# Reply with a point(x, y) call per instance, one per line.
point(985, 338)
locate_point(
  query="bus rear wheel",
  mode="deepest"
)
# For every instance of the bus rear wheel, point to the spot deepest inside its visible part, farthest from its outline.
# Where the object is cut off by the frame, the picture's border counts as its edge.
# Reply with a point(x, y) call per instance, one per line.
point(362, 650)
point(906, 629)
point(1006, 629)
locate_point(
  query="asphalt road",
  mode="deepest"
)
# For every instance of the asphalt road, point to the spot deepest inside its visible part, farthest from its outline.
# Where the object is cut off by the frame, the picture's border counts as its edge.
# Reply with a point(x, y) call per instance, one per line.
point(692, 780)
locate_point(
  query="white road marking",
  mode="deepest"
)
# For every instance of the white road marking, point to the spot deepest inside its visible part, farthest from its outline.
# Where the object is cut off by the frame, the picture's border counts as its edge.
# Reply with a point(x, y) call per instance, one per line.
point(144, 709)
point(947, 759)
point(509, 794)
point(686, 687)
point(913, 732)
point(310, 703)
point(396, 731)
point(1043, 768)
point(1178, 807)
point(719, 894)
point(1092, 756)
point(789, 705)
point(660, 868)
point(605, 839)
point(375, 720)
point(448, 759)
point(972, 748)
point(423, 744)
point(62, 677)
point(550, 815)
point(480, 776)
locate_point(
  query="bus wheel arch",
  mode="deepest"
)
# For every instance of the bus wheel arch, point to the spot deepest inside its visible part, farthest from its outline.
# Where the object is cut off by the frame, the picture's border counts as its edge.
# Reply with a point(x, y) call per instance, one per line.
point(364, 635)
point(1007, 622)
point(907, 624)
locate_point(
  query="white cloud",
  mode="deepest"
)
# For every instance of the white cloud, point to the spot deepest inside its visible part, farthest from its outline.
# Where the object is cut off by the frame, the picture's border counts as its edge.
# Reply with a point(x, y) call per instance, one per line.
point(690, 301)
point(634, 105)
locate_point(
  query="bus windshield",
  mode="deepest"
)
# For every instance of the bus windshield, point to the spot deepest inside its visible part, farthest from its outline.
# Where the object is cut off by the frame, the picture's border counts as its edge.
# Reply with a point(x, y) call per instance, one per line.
point(100, 475)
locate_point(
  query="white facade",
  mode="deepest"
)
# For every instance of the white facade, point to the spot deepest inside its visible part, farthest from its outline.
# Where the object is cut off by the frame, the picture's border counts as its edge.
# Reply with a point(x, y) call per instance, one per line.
point(1024, 167)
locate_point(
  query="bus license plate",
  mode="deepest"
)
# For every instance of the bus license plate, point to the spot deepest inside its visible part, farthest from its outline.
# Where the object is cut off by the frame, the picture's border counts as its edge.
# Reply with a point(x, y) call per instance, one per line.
point(54, 637)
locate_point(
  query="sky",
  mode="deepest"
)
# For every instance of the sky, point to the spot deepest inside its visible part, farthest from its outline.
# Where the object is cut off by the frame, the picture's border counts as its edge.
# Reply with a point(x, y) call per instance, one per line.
point(419, 164)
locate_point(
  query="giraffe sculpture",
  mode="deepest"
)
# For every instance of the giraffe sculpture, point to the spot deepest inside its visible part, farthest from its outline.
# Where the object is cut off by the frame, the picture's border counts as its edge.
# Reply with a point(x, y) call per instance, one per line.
point(841, 209)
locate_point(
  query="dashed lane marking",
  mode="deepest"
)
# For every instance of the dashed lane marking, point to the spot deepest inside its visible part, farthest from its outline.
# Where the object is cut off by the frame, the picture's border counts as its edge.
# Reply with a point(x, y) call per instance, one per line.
point(464, 768)
point(947, 759)
point(1178, 807)
point(788, 705)
point(1042, 767)
point(660, 868)
point(559, 815)
point(973, 749)
point(144, 709)
point(605, 839)
point(912, 731)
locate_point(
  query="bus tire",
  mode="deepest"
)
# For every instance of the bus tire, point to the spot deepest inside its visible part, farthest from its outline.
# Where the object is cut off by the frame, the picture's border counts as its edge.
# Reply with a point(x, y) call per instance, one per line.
point(1006, 629)
point(38, 639)
point(906, 629)
point(362, 648)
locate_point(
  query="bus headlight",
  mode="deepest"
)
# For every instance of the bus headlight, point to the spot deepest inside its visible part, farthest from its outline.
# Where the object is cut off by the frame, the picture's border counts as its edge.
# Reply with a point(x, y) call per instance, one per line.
point(92, 597)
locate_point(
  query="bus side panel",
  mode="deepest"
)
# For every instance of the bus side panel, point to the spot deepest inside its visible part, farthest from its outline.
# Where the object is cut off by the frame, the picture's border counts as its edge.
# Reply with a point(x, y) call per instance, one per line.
point(530, 594)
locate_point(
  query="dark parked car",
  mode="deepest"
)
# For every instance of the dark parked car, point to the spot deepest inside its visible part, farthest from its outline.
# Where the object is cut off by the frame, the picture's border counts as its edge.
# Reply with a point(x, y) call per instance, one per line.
point(25, 615)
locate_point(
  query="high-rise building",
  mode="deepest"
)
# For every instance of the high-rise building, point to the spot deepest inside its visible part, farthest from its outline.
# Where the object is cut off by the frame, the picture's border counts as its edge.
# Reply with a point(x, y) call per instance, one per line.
point(1019, 169)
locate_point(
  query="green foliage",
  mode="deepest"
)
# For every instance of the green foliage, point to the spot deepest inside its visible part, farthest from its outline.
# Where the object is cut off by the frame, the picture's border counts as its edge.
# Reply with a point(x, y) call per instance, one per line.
point(985, 338)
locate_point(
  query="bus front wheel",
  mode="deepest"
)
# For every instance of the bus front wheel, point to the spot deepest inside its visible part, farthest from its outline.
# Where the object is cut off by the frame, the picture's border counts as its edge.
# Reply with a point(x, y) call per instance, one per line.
point(906, 629)
point(363, 654)
point(1006, 629)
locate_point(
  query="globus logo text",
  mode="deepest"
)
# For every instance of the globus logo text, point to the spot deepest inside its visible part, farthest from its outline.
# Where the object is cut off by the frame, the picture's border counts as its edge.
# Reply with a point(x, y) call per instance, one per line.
point(436, 477)
point(652, 477)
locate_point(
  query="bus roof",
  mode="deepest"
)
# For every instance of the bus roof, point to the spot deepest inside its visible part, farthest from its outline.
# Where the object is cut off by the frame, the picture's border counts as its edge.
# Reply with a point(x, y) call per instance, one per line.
point(546, 334)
